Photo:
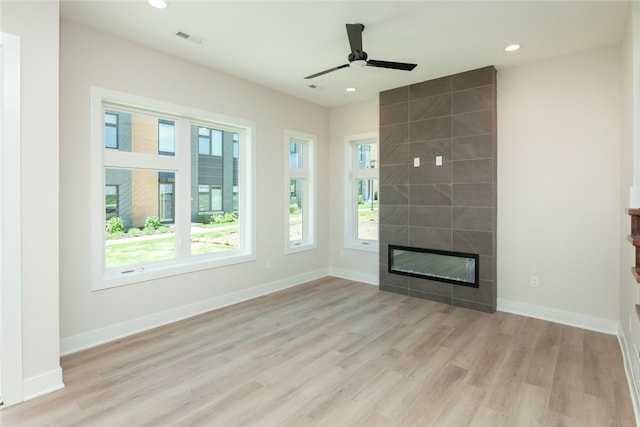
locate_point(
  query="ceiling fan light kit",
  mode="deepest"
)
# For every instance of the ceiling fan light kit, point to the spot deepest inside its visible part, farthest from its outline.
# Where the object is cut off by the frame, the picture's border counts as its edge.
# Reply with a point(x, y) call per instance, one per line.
point(359, 58)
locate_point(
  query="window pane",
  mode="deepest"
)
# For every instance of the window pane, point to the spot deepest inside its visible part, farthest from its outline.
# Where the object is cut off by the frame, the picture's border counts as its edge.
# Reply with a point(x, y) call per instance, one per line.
point(296, 155)
point(235, 198)
point(166, 137)
point(204, 145)
point(204, 198)
point(216, 198)
point(236, 145)
point(367, 156)
point(166, 186)
point(296, 212)
point(139, 133)
point(367, 191)
point(215, 180)
point(216, 142)
point(110, 118)
point(110, 130)
point(136, 203)
point(111, 201)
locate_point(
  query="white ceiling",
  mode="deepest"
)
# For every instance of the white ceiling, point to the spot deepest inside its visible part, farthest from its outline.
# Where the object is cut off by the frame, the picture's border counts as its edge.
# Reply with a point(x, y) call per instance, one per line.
point(277, 43)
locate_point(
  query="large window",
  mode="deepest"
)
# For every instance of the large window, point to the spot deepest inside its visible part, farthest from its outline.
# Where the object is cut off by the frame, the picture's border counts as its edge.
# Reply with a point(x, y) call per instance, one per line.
point(158, 178)
point(300, 192)
point(362, 194)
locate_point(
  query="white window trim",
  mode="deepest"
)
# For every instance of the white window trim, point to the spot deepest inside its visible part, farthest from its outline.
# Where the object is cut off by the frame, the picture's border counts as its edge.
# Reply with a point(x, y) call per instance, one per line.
point(309, 174)
point(184, 263)
point(351, 227)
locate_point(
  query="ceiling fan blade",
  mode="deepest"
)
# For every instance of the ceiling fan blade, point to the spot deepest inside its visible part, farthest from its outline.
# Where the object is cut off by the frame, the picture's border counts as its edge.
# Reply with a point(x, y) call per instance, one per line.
point(394, 65)
point(327, 71)
point(354, 31)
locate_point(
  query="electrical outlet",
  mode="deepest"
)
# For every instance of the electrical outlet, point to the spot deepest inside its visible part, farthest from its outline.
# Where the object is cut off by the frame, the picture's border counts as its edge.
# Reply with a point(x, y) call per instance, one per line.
point(269, 264)
point(534, 282)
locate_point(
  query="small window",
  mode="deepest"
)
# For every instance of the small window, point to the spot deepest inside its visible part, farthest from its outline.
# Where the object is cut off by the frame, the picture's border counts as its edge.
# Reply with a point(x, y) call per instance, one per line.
point(209, 198)
point(300, 192)
point(166, 137)
point(362, 192)
point(166, 189)
point(110, 130)
point(210, 142)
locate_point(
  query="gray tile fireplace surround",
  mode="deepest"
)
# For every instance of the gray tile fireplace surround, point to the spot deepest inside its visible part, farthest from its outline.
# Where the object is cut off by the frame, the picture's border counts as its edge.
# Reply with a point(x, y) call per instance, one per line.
point(448, 207)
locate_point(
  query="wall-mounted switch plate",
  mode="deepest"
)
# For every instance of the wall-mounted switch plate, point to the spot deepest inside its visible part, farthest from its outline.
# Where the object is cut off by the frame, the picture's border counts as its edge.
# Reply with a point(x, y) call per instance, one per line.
point(438, 160)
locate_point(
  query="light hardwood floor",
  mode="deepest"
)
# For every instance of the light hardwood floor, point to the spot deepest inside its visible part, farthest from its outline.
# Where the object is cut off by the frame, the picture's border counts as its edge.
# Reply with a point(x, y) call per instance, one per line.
point(339, 353)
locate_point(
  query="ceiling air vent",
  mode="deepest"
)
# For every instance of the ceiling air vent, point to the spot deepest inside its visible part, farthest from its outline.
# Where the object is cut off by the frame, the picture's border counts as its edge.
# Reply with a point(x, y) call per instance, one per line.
point(190, 37)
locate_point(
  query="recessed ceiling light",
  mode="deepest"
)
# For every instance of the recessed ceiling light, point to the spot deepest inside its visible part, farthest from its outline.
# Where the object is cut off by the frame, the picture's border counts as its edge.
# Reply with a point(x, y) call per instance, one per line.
point(351, 89)
point(158, 4)
point(512, 47)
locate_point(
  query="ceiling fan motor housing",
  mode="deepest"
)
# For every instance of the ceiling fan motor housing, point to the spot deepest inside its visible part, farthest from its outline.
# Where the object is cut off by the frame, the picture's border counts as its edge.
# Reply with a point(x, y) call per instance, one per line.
point(358, 56)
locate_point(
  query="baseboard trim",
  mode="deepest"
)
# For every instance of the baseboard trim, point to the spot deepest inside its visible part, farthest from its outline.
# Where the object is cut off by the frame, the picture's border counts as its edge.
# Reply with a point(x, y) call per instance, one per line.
point(369, 279)
point(75, 343)
point(628, 370)
point(42, 384)
point(559, 316)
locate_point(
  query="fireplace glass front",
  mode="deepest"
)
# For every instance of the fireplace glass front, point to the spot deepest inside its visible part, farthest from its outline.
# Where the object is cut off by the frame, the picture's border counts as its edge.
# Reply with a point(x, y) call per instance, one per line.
point(445, 266)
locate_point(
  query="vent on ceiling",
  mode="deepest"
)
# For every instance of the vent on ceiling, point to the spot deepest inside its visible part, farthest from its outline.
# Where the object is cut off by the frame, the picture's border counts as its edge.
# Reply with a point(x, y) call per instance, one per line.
point(190, 37)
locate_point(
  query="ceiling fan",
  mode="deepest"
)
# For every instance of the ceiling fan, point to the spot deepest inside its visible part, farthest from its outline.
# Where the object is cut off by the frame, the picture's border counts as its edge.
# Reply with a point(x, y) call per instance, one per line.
point(359, 58)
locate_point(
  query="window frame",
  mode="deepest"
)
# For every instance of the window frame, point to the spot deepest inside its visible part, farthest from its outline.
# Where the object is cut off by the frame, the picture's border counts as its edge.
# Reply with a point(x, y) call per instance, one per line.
point(353, 174)
point(104, 158)
point(308, 174)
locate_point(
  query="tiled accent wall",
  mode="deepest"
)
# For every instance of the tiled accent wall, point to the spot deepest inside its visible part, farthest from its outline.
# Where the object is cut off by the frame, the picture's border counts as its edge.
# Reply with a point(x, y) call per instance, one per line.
point(452, 206)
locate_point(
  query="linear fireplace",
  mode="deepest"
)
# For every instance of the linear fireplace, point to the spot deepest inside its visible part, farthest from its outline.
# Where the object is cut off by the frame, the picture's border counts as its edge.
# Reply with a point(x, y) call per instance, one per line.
point(459, 268)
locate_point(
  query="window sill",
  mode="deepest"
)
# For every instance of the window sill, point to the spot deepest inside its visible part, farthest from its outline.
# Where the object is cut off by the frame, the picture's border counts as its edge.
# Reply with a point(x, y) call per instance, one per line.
point(363, 245)
point(300, 247)
point(137, 274)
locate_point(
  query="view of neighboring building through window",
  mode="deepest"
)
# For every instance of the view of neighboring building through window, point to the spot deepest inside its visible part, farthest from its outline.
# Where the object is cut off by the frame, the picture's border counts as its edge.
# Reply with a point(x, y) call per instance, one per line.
point(217, 166)
point(111, 201)
point(148, 186)
point(166, 137)
point(209, 198)
point(362, 227)
point(300, 193)
point(110, 130)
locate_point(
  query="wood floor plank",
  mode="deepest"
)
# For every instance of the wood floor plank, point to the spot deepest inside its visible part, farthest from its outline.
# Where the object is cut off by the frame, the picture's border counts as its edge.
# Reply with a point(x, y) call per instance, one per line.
point(335, 352)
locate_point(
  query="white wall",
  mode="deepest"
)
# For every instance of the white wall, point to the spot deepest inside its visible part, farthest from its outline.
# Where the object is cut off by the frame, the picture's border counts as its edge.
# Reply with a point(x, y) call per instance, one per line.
point(348, 120)
point(37, 25)
point(91, 58)
point(559, 148)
